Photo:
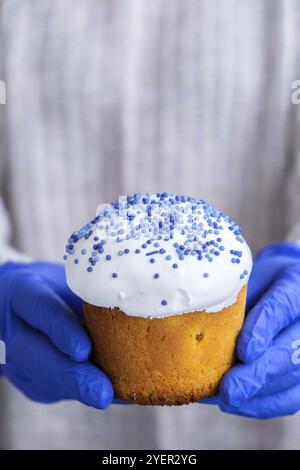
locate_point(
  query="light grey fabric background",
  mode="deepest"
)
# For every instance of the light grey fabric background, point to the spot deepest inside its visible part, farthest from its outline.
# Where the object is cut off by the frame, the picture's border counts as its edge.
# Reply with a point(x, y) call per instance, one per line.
point(108, 97)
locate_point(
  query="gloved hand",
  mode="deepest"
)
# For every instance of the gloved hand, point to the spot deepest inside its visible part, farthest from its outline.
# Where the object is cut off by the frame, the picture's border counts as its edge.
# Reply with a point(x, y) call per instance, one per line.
point(266, 383)
point(47, 348)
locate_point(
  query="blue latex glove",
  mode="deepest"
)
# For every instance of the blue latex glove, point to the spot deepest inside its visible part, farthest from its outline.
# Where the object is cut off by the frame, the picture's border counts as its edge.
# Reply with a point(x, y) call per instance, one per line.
point(47, 348)
point(266, 384)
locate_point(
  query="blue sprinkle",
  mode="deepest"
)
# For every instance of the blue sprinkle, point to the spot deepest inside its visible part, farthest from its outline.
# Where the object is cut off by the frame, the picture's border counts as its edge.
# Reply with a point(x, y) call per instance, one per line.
point(164, 302)
point(152, 260)
point(205, 275)
point(144, 245)
point(89, 269)
point(156, 276)
point(162, 251)
point(108, 257)
point(76, 261)
point(83, 251)
point(96, 239)
point(137, 251)
point(152, 253)
point(121, 253)
point(168, 257)
point(156, 244)
point(126, 251)
point(114, 275)
point(65, 257)
point(175, 265)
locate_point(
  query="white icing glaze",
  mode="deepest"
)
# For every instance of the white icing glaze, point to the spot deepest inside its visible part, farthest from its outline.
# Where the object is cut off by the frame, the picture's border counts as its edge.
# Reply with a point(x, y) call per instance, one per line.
point(210, 284)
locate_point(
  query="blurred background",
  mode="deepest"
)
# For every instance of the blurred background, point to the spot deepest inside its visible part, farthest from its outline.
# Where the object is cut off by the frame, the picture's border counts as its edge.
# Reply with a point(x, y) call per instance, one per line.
point(109, 97)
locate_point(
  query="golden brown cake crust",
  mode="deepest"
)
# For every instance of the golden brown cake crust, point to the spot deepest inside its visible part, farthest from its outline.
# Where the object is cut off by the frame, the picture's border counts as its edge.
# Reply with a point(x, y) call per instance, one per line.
point(165, 361)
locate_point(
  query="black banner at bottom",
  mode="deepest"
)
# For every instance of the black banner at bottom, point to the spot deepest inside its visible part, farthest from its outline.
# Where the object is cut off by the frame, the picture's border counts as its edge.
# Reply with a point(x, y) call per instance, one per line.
point(137, 458)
